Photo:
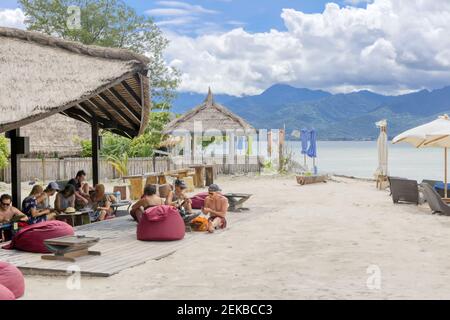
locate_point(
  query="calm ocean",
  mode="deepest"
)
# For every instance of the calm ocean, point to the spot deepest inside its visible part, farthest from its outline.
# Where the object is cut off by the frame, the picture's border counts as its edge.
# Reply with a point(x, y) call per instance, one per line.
point(360, 159)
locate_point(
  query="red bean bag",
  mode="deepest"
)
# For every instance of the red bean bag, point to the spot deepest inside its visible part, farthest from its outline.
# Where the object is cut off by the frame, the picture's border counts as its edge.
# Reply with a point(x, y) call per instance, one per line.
point(6, 294)
point(12, 278)
point(198, 201)
point(31, 238)
point(161, 223)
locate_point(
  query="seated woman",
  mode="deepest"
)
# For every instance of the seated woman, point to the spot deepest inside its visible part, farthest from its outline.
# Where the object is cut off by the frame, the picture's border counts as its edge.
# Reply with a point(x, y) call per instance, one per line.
point(65, 199)
point(178, 198)
point(148, 199)
point(8, 213)
point(49, 192)
point(30, 206)
point(101, 204)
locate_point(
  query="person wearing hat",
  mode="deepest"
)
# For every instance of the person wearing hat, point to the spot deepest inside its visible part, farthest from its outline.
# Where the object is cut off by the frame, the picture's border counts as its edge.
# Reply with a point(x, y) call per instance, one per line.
point(216, 206)
point(49, 191)
point(178, 197)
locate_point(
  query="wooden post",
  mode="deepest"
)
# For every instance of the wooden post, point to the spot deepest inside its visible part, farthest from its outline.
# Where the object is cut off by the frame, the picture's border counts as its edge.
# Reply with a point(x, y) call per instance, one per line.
point(15, 169)
point(269, 144)
point(192, 147)
point(95, 152)
point(224, 151)
point(281, 149)
point(445, 178)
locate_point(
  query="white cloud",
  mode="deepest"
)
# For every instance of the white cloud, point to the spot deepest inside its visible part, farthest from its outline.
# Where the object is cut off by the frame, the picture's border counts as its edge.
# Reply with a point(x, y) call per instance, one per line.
point(13, 18)
point(391, 46)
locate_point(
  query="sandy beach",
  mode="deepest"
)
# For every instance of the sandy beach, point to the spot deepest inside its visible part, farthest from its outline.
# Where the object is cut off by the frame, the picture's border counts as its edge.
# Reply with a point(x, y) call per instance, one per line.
point(323, 241)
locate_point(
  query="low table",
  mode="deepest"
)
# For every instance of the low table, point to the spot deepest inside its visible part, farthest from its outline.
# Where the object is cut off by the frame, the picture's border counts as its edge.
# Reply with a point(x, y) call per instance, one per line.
point(71, 247)
point(78, 218)
point(119, 204)
point(236, 201)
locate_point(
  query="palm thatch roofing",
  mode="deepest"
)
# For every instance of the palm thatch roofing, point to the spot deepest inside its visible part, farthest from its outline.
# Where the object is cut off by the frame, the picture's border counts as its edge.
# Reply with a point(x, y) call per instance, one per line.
point(42, 76)
point(211, 115)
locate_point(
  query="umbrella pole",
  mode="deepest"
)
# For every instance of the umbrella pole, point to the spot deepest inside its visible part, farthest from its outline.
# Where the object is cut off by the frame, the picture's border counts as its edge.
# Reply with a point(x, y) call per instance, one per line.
point(445, 182)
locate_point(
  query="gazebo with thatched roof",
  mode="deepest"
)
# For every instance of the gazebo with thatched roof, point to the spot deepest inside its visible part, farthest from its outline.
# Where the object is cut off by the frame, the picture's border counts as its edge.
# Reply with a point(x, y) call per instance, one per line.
point(209, 118)
point(42, 76)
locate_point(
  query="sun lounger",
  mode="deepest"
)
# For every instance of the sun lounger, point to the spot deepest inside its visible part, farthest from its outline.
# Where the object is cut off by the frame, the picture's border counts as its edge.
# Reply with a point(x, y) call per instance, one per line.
point(437, 205)
point(404, 190)
point(432, 183)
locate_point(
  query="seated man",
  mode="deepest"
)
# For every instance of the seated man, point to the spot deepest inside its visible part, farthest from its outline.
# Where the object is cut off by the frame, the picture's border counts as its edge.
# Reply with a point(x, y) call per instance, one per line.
point(149, 199)
point(8, 213)
point(178, 198)
point(82, 190)
point(30, 206)
point(216, 205)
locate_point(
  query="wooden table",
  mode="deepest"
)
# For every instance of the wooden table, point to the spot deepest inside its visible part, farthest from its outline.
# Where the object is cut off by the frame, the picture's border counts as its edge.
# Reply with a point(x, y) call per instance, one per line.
point(137, 186)
point(209, 170)
point(236, 201)
point(70, 247)
point(78, 218)
point(199, 177)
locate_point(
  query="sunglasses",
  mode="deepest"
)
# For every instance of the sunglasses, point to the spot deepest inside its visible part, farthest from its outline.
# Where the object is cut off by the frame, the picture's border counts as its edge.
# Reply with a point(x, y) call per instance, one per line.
point(5, 204)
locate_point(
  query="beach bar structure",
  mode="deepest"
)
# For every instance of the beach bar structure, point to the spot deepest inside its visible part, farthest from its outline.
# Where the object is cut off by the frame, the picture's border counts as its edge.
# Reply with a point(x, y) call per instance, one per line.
point(210, 119)
point(41, 76)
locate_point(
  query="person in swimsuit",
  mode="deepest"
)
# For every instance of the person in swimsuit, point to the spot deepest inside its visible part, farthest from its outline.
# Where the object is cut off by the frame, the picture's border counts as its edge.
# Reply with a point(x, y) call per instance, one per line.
point(9, 213)
point(148, 199)
point(216, 205)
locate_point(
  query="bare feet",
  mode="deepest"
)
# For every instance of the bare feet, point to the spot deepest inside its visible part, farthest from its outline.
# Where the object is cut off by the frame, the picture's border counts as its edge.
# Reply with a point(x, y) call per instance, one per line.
point(211, 227)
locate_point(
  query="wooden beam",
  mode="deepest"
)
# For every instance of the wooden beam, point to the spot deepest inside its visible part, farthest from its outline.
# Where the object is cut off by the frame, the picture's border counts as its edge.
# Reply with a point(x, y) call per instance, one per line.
point(15, 169)
point(119, 111)
point(125, 103)
point(107, 124)
point(130, 90)
point(95, 152)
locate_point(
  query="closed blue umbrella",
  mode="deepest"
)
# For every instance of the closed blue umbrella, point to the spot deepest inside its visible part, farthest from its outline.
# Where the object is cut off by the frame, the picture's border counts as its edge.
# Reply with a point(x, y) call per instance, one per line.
point(312, 150)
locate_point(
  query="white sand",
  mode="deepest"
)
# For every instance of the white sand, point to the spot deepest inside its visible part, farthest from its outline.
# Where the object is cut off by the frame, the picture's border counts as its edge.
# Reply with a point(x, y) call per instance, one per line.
point(305, 242)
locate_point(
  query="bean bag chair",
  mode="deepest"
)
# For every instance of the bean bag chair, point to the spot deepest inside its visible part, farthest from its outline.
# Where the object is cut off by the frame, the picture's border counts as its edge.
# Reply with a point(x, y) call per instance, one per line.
point(6, 294)
point(198, 201)
point(31, 238)
point(12, 279)
point(161, 223)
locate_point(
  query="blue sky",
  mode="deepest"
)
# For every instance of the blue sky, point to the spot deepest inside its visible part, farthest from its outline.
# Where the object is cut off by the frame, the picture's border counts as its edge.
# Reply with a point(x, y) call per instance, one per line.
point(222, 15)
point(244, 46)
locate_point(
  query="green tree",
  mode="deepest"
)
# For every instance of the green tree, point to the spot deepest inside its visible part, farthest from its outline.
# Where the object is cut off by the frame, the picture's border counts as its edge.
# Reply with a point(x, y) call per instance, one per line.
point(4, 152)
point(108, 23)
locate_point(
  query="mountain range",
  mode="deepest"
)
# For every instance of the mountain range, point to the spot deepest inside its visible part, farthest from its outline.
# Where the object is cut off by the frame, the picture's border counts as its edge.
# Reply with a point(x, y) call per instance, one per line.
point(350, 116)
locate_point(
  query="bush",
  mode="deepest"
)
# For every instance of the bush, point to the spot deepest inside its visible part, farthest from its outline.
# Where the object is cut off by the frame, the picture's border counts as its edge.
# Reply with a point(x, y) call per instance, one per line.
point(4, 152)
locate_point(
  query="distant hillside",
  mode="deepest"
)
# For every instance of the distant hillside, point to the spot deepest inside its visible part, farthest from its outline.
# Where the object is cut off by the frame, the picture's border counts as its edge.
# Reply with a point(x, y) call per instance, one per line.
point(336, 117)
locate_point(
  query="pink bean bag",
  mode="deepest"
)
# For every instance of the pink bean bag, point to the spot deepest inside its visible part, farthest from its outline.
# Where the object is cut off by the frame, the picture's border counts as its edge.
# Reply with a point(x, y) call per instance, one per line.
point(161, 223)
point(31, 238)
point(12, 279)
point(198, 201)
point(6, 294)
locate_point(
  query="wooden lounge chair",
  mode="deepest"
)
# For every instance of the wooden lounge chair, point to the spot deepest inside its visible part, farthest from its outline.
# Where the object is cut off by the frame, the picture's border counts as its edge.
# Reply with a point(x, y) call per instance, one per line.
point(437, 205)
point(404, 190)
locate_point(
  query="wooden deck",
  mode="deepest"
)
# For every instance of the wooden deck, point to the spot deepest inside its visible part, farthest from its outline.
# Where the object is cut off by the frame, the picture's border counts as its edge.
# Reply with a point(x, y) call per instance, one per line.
point(118, 245)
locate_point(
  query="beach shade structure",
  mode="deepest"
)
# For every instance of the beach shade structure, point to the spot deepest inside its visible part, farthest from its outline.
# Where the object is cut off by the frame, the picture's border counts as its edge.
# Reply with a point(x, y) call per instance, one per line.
point(304, 138)
point(432, 134)
point(43, 76)
point(213, 120)
point(312, 150)
point(382, 145)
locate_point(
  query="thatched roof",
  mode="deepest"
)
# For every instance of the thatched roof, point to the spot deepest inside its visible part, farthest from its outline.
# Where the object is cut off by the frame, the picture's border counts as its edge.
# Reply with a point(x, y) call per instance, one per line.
point(42, 76)
point(211, 115)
